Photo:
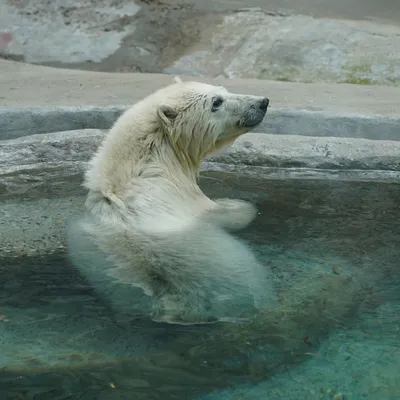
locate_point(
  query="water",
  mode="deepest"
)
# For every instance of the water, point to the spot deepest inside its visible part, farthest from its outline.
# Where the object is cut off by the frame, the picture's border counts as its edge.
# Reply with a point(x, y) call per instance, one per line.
point(334, 249)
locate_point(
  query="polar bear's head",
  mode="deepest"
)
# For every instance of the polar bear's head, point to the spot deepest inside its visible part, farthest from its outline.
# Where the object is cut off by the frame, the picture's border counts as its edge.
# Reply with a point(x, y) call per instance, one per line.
point(199, 118)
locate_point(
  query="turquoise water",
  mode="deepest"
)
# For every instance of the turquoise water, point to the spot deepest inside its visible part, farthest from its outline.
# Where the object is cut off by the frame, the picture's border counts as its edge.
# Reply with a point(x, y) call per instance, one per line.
point(334, 249)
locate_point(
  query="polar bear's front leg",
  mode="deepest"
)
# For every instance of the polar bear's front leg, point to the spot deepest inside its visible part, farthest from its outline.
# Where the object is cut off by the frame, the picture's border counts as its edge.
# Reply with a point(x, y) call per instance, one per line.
point(231, 214)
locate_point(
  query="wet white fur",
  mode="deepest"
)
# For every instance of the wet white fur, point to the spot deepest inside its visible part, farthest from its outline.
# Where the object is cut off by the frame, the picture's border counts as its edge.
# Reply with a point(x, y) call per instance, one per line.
point(162, 233)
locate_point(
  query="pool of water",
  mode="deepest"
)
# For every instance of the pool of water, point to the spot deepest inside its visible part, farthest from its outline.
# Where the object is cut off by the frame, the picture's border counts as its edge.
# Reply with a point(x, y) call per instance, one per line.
point(334, 249)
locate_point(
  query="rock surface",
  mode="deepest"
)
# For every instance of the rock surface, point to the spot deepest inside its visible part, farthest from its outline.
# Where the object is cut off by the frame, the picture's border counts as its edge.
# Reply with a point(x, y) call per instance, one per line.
point(106, 35)
point(64, 31)
point(292, 151)
point(253, 44)
point(210, 39)
point(30, 163)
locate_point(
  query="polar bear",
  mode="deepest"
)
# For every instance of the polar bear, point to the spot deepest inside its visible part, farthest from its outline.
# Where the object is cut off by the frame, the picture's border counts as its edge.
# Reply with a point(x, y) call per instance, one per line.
point(146, 212)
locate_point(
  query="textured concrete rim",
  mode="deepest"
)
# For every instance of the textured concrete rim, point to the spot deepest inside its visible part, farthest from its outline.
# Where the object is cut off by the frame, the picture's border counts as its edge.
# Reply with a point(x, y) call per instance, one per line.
point(47, 169)
point(271, 173)
point(71, 148)
point(17, 122)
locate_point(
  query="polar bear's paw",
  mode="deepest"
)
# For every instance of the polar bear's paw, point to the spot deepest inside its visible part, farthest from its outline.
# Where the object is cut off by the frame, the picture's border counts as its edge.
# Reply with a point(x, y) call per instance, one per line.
point(232, 214)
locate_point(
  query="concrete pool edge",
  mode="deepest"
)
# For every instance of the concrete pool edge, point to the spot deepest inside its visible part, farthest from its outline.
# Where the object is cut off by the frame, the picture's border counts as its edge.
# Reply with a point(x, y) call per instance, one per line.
point(72, 149)
point(17, 122)
point(45, 171)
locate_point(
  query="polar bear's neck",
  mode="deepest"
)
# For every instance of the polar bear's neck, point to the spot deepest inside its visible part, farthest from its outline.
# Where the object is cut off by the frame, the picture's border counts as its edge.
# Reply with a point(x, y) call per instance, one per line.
point(133, 152)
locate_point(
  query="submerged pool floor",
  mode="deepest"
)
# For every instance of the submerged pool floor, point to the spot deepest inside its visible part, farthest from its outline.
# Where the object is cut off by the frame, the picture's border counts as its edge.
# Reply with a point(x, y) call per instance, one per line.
point(60, 339)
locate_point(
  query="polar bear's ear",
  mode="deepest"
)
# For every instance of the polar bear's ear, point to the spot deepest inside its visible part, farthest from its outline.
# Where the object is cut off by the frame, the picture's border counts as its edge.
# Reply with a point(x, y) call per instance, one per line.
point(177, 79)
point(167, 114)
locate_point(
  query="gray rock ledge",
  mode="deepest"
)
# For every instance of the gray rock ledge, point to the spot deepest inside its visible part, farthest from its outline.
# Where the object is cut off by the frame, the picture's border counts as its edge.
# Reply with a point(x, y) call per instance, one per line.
point(72, 149)
point(41, 176)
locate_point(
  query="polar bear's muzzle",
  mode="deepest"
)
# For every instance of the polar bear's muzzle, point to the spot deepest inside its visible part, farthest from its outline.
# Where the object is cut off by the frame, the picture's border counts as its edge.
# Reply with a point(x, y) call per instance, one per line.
point(254, 113)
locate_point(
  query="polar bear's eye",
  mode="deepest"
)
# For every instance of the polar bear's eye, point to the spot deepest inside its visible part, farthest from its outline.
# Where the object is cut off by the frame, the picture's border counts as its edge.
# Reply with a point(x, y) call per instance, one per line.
point(217, 103)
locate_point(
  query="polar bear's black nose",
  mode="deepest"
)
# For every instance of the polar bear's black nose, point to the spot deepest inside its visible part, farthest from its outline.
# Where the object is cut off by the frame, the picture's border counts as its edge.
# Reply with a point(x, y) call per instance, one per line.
point(264, 104)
